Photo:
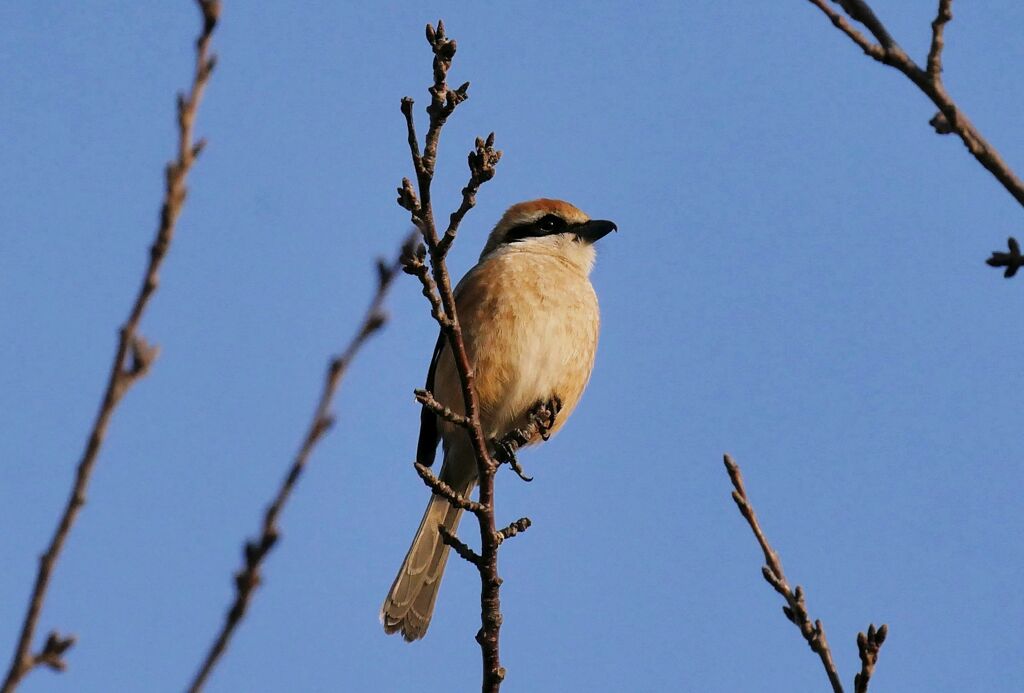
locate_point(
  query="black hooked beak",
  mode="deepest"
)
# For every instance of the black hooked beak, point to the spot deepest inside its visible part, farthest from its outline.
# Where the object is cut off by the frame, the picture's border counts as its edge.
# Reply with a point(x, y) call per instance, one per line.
point(594, 230)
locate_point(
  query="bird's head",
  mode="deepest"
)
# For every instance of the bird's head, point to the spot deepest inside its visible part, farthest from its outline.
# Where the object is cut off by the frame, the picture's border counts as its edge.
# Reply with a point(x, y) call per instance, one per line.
point(551, 227)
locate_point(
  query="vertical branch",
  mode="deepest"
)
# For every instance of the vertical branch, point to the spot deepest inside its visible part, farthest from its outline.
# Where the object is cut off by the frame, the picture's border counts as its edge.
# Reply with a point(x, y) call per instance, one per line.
point(256, 550)
point(944, 15)
point(796, 604)
point(482, 160)
point(132, 361)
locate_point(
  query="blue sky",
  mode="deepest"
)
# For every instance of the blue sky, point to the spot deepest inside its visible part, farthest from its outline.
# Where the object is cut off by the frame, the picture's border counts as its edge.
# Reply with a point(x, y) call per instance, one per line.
point(798, 280)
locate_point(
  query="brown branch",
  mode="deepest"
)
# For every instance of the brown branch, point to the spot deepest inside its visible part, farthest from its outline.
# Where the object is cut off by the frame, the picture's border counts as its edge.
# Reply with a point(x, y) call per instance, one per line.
point(839, 21)
point(444, 101)
point(944, 15)
point(247, 579)
point(795, 610)
point(413, 263)
point(517, 527)
point(950, 118)
point(427, 400)
point(132, 361)
point(447, 492)
point(861, 12)
point(868, 645)
point(482, 161)
point(796, 606)
point(461, 548)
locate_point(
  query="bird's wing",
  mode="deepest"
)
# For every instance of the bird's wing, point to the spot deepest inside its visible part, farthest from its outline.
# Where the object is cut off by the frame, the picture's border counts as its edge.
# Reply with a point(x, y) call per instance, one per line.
point(429, 434)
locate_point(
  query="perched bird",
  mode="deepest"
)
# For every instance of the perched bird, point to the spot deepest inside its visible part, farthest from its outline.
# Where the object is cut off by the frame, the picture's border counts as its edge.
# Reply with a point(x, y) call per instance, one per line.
point(530, 320)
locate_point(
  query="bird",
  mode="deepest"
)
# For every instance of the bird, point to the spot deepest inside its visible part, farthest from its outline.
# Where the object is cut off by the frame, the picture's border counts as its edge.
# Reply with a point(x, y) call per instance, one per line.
point(530, 322)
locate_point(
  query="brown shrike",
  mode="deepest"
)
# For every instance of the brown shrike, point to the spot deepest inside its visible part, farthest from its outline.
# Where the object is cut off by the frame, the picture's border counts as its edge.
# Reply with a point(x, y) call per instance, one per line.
point(530, 320)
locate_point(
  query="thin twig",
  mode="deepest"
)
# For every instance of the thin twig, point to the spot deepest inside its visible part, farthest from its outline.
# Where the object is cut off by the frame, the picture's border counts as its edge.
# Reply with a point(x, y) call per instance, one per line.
point(413, 263)
point(247, 579)
point(132, 361)
point(950, 118)
point(517, 527)
point(427, 400)
point(1012, 260)
point(839, 21)
point(861, 12)
point(868, 645)
point(447, 492)
point(795, 610)
point(443, 103)
point(796, 606)
point(482, 161)
point(461, 548)
point(944, 15)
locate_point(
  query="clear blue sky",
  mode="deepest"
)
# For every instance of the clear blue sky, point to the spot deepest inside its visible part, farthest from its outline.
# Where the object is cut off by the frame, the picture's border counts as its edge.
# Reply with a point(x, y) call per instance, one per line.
point(798, 280)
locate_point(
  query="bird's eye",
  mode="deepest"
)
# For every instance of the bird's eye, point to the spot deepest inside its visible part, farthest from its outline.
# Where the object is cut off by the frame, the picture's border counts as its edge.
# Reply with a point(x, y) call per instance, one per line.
point(551, 223)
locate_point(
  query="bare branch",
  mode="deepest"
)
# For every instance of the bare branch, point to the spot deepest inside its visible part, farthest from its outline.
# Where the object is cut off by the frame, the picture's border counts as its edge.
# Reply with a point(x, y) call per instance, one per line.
point(52, 655)
point(447, 492)
point(517, 527)
point(861, 12)
point(461, 548)
point(796, 606)
point(427, 400)
point(443, 103)
point(1012, 260)
point(132, 361)
point(247, 579)
point(414, 147)
point(482, 161)
point(945, 14)
point(837, 19)
point(868, 645)
point(414, 263)
point(950, 118)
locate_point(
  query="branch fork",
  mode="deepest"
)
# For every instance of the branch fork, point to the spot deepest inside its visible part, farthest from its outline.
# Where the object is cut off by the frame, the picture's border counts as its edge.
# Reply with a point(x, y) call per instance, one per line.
point(950, 118)
point(795, 608)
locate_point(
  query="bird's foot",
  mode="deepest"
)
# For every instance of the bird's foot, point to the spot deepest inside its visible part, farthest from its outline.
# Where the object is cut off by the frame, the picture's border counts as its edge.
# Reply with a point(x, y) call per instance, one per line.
point(541, 422)
point(543, 416)
point(505, 451)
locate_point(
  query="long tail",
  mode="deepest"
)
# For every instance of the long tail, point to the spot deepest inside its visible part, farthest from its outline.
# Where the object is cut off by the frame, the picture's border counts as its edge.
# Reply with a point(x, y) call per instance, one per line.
point(410, 602)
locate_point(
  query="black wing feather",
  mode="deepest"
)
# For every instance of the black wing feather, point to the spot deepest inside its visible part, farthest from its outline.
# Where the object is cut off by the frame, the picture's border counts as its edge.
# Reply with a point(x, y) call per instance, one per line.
point(426, 449)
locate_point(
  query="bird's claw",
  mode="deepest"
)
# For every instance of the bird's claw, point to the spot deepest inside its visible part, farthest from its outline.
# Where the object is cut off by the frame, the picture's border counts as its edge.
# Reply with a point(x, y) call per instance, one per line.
point(518, 469)
point(544, 414)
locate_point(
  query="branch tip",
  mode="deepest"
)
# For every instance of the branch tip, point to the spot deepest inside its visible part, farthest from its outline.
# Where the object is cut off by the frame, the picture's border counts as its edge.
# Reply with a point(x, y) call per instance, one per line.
point(1012, 260)
point(795, 608)
point(254, 551)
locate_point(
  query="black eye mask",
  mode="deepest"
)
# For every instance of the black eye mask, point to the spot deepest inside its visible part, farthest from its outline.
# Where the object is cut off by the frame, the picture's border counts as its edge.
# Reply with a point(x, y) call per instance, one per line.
point(545, 226)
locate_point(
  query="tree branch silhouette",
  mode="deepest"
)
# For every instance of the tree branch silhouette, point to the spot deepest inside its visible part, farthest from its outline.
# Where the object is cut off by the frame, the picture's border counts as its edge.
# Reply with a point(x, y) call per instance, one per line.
point(132, 361)
point(255, 552)
point(796, 604)
point(950, 118)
